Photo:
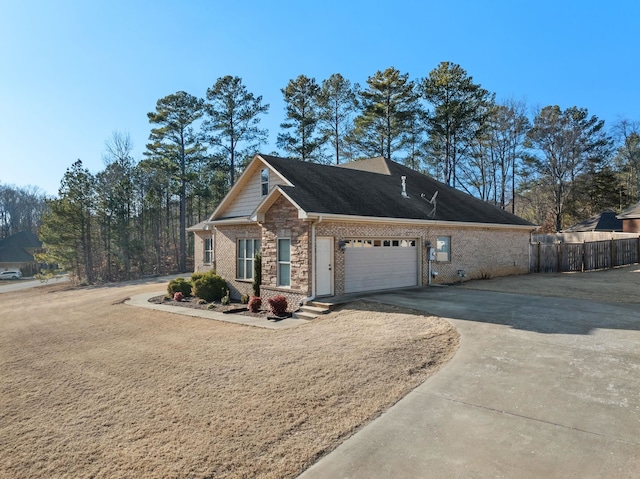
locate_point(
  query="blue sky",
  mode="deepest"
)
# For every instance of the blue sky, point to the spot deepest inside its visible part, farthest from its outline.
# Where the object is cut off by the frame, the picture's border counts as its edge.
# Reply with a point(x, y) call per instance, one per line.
point(72, 72)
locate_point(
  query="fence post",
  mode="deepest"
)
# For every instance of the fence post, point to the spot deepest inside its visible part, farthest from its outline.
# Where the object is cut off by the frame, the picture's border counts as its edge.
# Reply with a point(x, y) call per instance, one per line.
point(559, 257)
point(613, 256)
point(539, 248)
point(584, 254)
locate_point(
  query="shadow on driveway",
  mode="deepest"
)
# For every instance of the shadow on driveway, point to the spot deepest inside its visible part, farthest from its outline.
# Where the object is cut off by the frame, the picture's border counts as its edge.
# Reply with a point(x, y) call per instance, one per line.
point(541, 314)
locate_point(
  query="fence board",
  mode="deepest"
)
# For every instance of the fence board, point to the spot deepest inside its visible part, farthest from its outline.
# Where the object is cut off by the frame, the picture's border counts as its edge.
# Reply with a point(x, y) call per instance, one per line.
point(586, 256)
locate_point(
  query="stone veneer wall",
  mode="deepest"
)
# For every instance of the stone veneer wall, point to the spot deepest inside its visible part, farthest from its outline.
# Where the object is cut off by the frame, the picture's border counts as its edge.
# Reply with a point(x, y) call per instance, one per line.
point(225, 246)
point(281, 221)
point(631, 225)
point(480, 252)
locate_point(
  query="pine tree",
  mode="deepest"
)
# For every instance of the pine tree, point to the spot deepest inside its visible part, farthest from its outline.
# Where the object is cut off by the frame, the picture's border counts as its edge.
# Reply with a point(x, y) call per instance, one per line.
point(302, 141)
point(175, 142)
point(233, 116)
point(389, 109)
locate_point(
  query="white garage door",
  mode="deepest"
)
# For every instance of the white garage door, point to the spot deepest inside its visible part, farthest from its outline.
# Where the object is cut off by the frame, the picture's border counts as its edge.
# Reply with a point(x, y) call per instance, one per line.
point(373, 264)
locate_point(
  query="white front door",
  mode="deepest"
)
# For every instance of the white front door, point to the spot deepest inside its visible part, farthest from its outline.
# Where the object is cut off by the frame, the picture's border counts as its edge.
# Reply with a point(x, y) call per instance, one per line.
point(324, 266)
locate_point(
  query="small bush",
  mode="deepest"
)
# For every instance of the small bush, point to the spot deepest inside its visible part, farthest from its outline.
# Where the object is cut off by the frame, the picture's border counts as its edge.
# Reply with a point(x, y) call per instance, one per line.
point(244, 299)
point(179, 285)
point(209, 287)
point(211, 306)
point(196, 276)
point(278, 305)
point(201, 301)
point(255, 303)
point(226, 299)
point(178, 296)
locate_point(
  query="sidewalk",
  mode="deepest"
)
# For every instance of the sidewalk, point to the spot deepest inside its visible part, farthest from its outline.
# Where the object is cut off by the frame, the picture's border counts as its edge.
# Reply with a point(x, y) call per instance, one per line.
point(142, 301)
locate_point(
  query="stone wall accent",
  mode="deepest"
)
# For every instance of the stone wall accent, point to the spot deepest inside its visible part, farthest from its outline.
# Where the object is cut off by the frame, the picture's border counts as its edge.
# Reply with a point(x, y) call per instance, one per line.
point(281, 221)
point(631, 225)
point(225, 253)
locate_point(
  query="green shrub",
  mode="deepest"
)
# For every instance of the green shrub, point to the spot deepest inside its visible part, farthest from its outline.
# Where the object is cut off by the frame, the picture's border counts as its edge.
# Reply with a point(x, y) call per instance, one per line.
point(209, 287)
point(244, 299)
point(257, 274)
point(226, 299)
point(196, 276)
point(179, 285)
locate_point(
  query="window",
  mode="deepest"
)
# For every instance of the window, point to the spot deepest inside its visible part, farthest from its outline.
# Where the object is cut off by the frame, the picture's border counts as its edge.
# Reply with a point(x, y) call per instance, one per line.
point(247, 250)
point(208, 250)
point(284, 262)
point(443, 248)
point(264, 181)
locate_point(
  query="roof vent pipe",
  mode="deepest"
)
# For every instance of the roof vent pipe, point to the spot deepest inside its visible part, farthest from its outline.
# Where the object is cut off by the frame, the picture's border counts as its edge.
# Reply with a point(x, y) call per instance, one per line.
point(404, 187)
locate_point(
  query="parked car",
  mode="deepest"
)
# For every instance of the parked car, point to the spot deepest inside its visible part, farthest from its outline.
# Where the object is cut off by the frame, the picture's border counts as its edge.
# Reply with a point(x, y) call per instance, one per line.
point(11, 274)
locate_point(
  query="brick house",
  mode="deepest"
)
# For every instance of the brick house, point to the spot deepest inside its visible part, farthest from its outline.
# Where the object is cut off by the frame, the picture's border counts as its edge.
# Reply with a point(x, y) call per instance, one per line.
point(630, 219)
point(363, 226)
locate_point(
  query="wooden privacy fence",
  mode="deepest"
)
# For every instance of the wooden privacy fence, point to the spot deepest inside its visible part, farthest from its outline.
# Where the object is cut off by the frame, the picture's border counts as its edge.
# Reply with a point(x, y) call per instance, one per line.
point(586, 256)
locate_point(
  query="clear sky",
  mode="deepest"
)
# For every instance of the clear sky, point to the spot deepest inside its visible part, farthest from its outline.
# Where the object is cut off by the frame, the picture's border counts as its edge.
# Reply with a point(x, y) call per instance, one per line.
point(72, 72)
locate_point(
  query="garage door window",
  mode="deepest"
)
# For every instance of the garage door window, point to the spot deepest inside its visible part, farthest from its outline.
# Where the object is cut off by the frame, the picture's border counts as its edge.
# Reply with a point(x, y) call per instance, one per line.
point(375, 243)
point(443, 249)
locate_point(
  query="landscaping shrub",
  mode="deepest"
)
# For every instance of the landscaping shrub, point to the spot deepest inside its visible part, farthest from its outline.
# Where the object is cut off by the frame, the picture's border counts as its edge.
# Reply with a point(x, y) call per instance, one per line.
point(255, 303)
point(178, 296)
point(257, 274)
point(244, 299)
point(278, 305)
point(226, 299)
point(209, 287)
point(179, 285)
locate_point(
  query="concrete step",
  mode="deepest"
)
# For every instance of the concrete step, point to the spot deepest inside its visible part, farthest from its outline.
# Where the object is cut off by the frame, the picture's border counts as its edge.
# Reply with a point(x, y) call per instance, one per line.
point(314, 309)
point(304, 315)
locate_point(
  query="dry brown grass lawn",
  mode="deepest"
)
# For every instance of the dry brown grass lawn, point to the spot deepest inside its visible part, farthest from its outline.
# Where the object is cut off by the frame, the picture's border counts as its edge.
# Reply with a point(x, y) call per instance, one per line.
point(91, 387)
point(620, 285)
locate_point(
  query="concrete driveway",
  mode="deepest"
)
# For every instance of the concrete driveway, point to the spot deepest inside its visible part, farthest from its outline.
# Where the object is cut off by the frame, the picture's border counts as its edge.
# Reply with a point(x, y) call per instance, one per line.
point(540, 388)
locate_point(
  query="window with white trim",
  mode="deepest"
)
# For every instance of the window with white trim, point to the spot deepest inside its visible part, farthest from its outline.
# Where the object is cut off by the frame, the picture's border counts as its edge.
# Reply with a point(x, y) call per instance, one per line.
point(443, 248)
point(284, 262)
point(247, 251)
point(208, 250)
point(264, 181)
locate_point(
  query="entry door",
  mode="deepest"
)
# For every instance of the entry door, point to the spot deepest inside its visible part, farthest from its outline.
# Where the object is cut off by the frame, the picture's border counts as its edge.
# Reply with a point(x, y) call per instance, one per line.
point(324, 266)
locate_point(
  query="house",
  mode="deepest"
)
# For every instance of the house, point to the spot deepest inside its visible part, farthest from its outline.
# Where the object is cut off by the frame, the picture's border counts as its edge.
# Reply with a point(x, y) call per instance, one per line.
point(16, 252)
point(605, 221)
point(363, 226)
point(630, 219)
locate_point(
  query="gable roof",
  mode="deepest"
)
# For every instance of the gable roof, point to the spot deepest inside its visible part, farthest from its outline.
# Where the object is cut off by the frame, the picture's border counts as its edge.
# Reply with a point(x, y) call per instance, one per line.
point(605, 221)
point(630, 213)
point(323, 189)
point(13, 249)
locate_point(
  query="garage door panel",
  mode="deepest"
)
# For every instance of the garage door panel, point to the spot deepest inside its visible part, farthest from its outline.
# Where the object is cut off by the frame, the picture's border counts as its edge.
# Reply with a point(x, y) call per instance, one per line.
point(376, 268)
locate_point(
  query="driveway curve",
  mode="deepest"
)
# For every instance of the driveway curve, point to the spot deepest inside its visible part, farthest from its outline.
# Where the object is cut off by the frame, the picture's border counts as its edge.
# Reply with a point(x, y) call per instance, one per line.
point(540, 387)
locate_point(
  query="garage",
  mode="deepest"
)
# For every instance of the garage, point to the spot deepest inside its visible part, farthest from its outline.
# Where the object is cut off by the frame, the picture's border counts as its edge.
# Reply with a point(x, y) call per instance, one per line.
point(372, 264)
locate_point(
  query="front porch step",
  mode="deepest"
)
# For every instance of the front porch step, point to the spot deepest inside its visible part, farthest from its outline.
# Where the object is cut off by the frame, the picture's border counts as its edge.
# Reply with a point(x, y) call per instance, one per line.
point(312, 308)
point(311, 311)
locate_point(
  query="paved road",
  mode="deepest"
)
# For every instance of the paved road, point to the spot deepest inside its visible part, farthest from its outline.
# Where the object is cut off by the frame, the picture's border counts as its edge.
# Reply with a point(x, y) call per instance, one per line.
point(540, 387)
point(27, 283)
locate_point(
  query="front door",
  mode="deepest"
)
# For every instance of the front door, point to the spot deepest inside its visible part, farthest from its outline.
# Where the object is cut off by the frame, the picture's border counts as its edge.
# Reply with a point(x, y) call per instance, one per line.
point(324, 266)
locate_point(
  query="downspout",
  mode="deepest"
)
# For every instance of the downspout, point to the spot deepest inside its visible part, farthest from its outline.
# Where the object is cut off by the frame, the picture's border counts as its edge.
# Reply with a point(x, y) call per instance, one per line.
point(313, 262)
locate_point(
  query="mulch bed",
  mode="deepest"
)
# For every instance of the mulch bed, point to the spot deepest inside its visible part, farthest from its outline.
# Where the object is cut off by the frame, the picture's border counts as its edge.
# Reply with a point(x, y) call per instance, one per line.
point(233, 308)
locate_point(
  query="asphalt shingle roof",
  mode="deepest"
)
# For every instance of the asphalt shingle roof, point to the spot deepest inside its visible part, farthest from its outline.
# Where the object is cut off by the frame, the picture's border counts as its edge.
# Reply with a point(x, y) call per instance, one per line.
point(605, 221)
point(13, 248)
point(333, 190)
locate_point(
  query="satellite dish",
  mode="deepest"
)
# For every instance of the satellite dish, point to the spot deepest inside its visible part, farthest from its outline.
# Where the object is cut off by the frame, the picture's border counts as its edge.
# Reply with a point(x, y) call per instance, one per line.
point(432, 201)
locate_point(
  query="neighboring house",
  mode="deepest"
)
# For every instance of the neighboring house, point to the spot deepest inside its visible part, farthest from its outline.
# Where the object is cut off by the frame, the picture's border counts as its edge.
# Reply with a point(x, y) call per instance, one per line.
point(630, 219)
point(605, 221)
point(363, 226)
point(16, 252)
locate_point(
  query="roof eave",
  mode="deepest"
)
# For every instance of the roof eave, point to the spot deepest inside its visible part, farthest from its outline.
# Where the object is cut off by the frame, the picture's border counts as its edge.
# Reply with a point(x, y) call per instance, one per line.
point(312, 216)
